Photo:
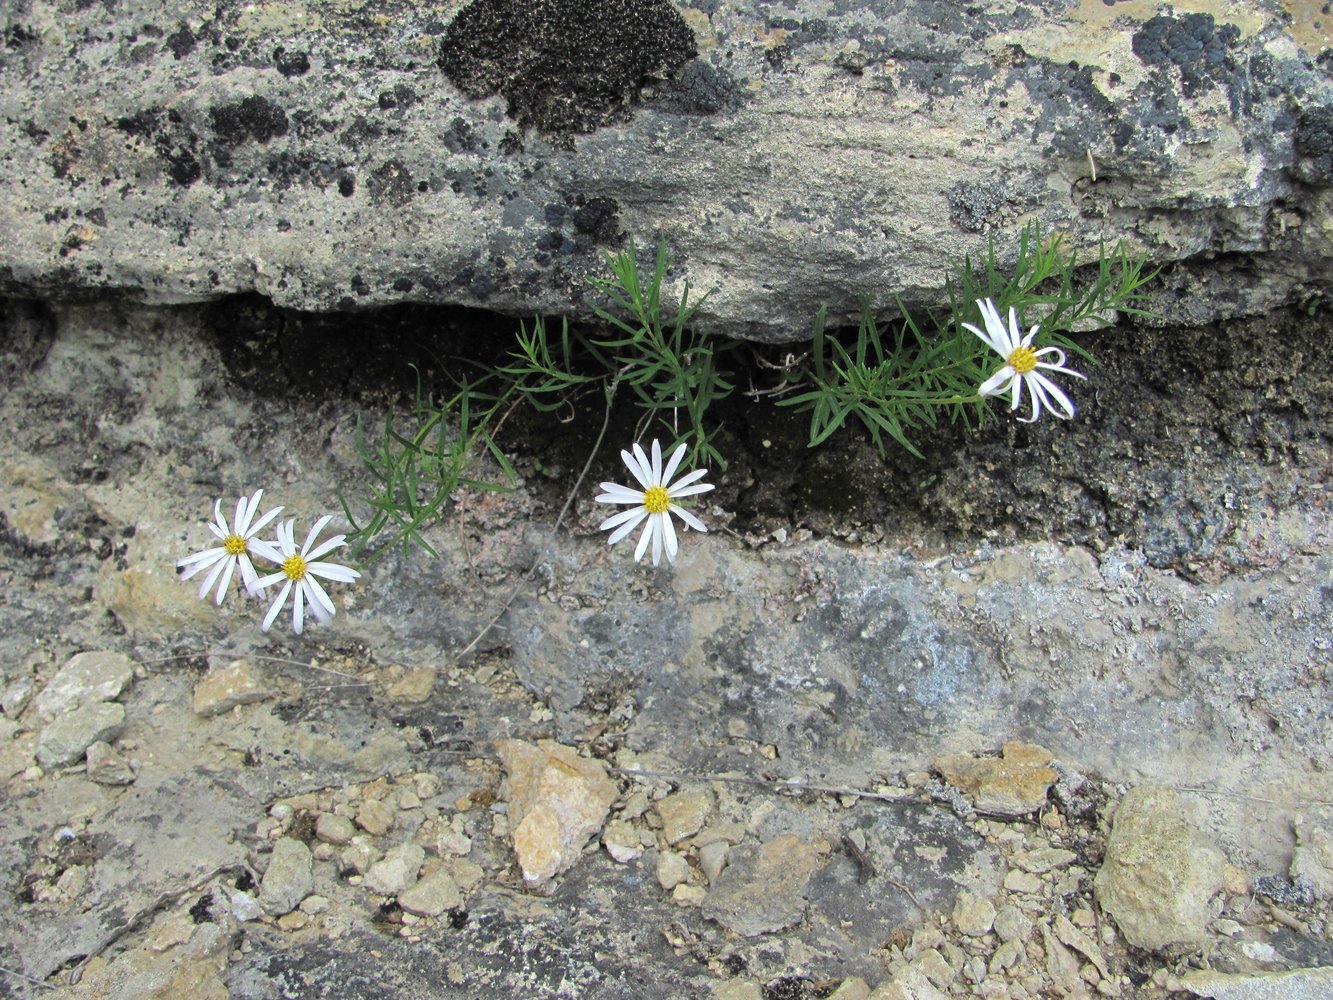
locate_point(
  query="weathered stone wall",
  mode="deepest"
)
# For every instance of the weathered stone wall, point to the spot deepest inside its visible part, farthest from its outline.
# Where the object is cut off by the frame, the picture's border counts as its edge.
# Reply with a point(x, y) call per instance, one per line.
point(337, 153)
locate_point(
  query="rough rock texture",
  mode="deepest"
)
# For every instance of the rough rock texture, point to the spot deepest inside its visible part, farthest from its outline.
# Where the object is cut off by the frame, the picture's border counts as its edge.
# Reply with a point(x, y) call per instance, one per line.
point(1159, 874)
point(1011, 785)
point(764, 888)
point(852, 658)
point(810, 154)
point(557, 800)
point(86, 678)
point(288, 879)
point(65, 739)
point(226, 686)
point(1297, 984)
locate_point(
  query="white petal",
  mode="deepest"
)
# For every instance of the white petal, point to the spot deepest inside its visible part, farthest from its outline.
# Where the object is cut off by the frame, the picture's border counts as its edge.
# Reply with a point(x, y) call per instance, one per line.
point(198, 561)
point(242, 510)
point(691, 477)
point(264, 582)
point(628, 526)
point(298, 609)
point(675, 493)
point(326, 546)
point(997, 383)
point(1061, 401)
point(226, 580)
point(689, 518)
point(637, 463)
point(212, 577)
point(222, 530)
point(674, 463)
point(314, 533)
point(657, 462)
point(262, 523)
point(657, 538)
point(1038, 397)
point(319, 599)
point(616, 493)
point(248, 575)
point(278, 602)
point(264, 549)
point(333, 571)
point(635, 514)
point(1017, 391)
point(649, 533)
point(668, 531)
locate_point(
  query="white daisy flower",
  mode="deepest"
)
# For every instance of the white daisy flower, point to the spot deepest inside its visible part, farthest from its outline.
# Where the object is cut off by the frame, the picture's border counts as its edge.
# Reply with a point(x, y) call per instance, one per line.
point(238, 542)
point(1021, 364)
point(654, 502)
point(298, 573)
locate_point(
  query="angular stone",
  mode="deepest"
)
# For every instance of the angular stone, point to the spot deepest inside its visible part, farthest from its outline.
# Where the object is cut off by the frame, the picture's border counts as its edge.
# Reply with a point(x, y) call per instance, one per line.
point(1312, 859)
point(288, 879)
point(683, 813)
point(852, 988)
point(397, 871)
point(1012, 785)
point(375, 817)
point(1043, 859)
point(1158, 874)
point(672, 870)
point(621, 841)
point(106, 767)
point(713, 858)
point(86, 678)
point(223, 688)
point(334, 829)
point(557, 800)
point(414, 687)
point(973, 915)
point(1011, 924)
point(909, 984)
point(763, 888)
point(432, 895)
point(64, 740)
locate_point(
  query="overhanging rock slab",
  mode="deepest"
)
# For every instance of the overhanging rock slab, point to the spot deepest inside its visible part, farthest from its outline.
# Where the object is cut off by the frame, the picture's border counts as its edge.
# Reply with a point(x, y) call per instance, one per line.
point(336, 155)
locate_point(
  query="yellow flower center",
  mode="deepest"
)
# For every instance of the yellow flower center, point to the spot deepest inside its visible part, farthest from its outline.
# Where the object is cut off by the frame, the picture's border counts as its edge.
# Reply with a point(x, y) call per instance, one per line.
point(294, 567)
point(1022, 359)
point(656, 500)
point(234, 544)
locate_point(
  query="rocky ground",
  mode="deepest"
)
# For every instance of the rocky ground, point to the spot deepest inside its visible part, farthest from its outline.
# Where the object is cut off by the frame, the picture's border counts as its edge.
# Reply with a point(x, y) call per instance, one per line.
point(1043, 715)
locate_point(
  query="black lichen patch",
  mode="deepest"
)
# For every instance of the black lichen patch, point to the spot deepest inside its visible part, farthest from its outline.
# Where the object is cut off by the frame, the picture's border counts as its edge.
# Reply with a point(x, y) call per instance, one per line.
point(253, 117)
point(597, 218)
point(1314, 145)
point(175, 144)
point(391, 184)
point(291, 64)
point(1193, 43)
point(181, 42)
point(564, 66)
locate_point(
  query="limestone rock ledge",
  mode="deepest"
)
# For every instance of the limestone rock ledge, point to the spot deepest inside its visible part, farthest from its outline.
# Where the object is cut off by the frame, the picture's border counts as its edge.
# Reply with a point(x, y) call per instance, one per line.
point(335, 155)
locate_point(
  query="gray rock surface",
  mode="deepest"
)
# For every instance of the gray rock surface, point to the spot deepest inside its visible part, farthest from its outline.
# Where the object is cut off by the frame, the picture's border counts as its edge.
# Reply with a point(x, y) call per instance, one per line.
point(851, 659)
point(396, 872)
point(333, 161)
point(1294, 984)
point(107, 767)
point(84, 679)
point(1159, 874)
point(763, 889)
point(288, 878)
point(432, 895)
point(64, 740)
